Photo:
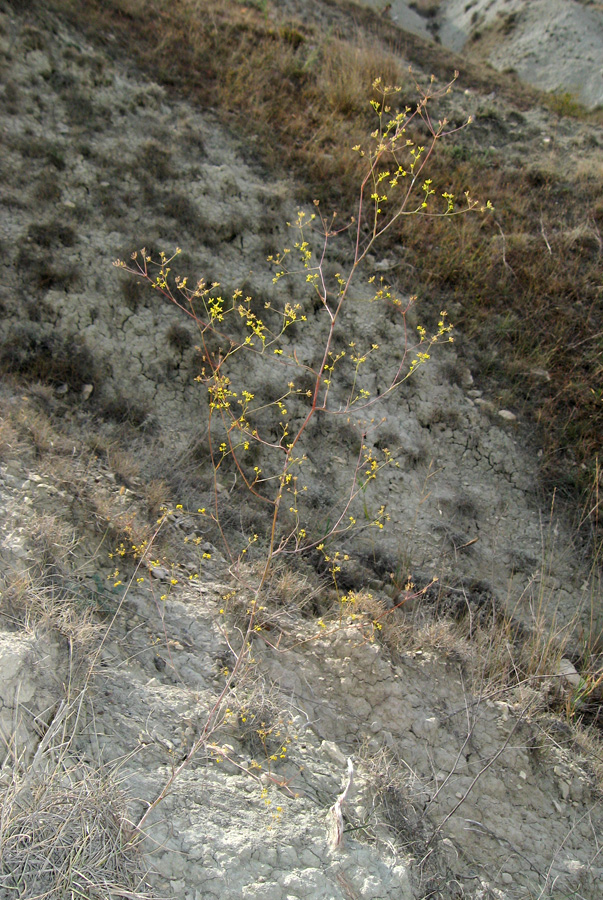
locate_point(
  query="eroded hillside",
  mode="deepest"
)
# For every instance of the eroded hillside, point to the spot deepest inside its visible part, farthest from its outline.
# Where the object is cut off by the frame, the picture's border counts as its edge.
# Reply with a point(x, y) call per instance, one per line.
point(190, 724)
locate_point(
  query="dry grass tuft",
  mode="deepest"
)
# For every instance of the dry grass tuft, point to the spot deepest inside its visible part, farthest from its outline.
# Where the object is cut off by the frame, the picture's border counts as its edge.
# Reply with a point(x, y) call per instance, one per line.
point(9, 439)
point(44, 603)
point(263, 722)
point(64, 832)
point(48, 596)
point(288, 595)
point(35, 427)
point(589, 744)
point(117, 515)
point(346, 69)
point(397, 797)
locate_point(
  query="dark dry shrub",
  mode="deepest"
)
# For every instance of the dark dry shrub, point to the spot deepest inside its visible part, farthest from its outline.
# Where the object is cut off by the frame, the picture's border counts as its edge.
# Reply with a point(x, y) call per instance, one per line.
point(508, 22)
point(44, 272)
point(225, 231)
point(178, 337)
point(80, 109)
point(31, 147)
point(540, 176)
point(415, 453)
point(466, 506)
point(60, 80)
point(47, 189)
point(151, 195)
point(195, 142)
point(134, 292)
point(387, 437)
point(156, 495)
point(292, 36)
point(444, 415)
point(51, 234)
point(125, 411)
point(11, 98)
point(185, 478)
point(154, 160)
point(38, 310)
point(56, 158)
point(32, 38)
point(95, 64)
point(109, 204)
point(348, 437)
point(38, 353)
point(455, 371)
point(271, 245)
point(124, 465)
point(89, 153)
point(183, 210)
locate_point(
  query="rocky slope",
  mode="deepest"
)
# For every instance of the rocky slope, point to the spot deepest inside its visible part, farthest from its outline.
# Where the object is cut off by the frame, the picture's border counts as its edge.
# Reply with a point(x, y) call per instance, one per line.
point(553, 44)
point(113, 663)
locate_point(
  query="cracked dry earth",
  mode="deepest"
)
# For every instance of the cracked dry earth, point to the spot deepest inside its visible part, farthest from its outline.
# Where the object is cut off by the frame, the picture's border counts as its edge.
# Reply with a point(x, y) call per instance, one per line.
point(459, 790)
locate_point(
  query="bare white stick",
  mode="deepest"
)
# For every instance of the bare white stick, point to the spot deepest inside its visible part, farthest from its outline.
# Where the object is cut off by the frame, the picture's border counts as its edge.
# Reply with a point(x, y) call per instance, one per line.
point(336, 811)
point(544, 237)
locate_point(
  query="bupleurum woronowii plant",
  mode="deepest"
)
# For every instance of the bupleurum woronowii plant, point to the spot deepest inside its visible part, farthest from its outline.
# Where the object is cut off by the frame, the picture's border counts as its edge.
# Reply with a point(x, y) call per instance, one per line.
point(261, 439)
point(394, 185)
